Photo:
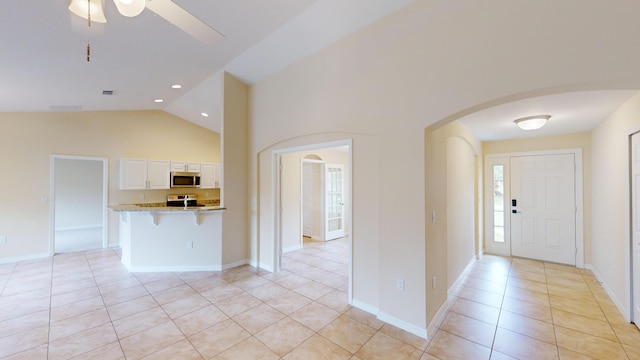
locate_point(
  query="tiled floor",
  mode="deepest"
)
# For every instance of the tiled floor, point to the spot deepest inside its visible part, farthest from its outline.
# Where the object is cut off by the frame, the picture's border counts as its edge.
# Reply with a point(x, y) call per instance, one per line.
point(85, 305)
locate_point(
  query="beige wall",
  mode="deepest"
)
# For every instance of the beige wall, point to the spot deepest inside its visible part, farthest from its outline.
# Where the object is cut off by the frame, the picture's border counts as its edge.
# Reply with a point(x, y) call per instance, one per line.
point(572, 141)
point(610, 207)
point(31, 138)
point(450, 170)
point(235, 171)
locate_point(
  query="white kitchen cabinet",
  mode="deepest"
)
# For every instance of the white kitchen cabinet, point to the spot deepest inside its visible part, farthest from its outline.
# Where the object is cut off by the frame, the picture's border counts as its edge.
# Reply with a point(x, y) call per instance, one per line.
point(141, 174)
point(194, 167)
point(210, 175)
point(178, 165)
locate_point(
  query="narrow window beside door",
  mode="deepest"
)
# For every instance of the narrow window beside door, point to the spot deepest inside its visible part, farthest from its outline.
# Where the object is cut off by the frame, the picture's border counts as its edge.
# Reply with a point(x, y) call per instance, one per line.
point(498, 203)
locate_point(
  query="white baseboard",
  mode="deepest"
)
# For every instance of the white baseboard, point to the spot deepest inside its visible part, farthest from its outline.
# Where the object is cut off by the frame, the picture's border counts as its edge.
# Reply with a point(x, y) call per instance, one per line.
point(258, 265)
point(455, 288)
point(144, 269)
point(438, 318)
point(235, 264)
point(291, 248)
point(623, 310)
point(416, 330)
point(81, 227)
point(23, 258)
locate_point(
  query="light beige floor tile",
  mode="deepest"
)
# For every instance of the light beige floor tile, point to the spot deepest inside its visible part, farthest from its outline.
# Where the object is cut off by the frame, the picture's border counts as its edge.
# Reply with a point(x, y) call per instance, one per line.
point(564, 291)
point(382, 346)
point(173, 294)
point(111, 351)
point(163, 284)
point(74, 325)
point(336, 300)
point(75, 296)
point(632, 352)
point(536, 286)
point(584, 324)
point(19, 342)
point(248, 349)
point(318, 348)
point(476, 310)
point(134, 324)
point(580, 307)
point(365, 318)
point(125, 295)
point(221, 292)
point(527, 295)
point(448, 346)
point(238, 304)
point(218, 338)
point(348, 333)
point(77, 308)
point(284, 336)
point(628, 334)
point(250, 282)
point(528, 275)
point(292, 281)
point(404, 336)
point(132, 307)
point(486, 285)
point(289, 302)
point(119, 285)
point(528, 309)
point(24, 323)
point(589, 345)
point(425, 356)
point(199, 320)
point(268, 291)
point(567, 283)
point(566, 354)
point(313, 290)
point(78, 344)
point(523, 325)
point(182, 350)
point(258, 318)
point(38, 352)
point(185, 305)
point(206, 283)
point(469, 329)
point(523, 347)
point(151, 340)
point(315, 316)
point(481, 296)
point(496, 355)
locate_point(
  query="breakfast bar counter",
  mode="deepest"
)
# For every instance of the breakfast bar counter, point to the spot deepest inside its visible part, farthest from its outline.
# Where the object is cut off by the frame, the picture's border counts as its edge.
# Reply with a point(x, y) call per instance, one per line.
point(159, 238)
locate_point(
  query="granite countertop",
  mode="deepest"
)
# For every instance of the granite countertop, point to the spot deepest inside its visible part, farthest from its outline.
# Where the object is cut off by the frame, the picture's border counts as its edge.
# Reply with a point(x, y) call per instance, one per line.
point(204, 205)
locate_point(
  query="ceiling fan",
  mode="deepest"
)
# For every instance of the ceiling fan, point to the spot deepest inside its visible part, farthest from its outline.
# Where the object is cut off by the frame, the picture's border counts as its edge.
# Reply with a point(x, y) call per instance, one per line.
point(93, 10)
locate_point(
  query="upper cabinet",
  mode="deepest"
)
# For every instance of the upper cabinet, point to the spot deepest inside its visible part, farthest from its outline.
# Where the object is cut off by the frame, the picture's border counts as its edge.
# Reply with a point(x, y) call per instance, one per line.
point(185, 166)
point(210, 175)
point(140, 174)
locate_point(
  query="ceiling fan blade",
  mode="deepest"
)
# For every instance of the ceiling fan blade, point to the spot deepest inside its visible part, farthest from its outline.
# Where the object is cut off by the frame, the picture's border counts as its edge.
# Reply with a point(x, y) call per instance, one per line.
point(184, 20)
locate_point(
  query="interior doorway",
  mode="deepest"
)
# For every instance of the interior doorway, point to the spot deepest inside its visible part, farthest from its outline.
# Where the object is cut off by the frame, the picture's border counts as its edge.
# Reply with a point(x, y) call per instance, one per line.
point(290, 220)
point(635, 227)
point(78, 203)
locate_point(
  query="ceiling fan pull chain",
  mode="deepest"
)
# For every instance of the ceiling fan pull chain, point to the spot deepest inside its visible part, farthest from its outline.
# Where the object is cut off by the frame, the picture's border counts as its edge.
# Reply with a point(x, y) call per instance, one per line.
point(89, 39)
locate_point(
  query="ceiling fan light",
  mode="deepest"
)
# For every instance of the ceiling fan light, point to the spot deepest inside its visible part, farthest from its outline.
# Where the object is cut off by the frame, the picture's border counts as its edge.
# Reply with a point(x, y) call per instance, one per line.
point(532, 122)
point(81, 8)
point(130, 8)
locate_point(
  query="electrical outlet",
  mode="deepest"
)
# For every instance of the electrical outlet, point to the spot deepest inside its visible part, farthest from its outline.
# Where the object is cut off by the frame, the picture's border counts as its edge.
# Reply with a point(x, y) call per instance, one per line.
point(3, 239)
point(190, 244)
point(400, 284)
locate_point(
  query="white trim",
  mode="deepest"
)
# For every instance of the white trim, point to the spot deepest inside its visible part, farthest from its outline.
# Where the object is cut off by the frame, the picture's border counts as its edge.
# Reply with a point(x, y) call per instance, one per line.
point(579, 191)
point(141, 269)
point(456, 287)
point(415, 330)
point(373, 310)
point(276, 195)
point(291, 248)
point(235, 264)
point(623, 311)
point(23, 258)
point(83, 227)
point(438, 318)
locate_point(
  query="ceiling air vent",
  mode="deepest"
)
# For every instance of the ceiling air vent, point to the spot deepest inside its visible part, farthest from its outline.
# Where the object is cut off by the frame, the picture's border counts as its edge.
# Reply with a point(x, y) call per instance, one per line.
point(108, 92)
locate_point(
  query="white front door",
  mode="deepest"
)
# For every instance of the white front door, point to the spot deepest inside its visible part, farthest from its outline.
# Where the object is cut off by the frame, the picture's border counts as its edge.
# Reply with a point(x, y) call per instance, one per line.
point(635, 223)
point(543, 208)
point(334, 195)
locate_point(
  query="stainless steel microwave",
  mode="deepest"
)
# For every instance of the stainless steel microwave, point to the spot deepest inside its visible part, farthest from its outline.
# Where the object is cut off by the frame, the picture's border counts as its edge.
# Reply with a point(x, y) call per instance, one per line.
point(180, 179)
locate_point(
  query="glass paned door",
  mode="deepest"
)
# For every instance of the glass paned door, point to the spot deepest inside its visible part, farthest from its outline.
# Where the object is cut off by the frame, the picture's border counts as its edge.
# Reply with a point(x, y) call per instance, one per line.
point(334, 193)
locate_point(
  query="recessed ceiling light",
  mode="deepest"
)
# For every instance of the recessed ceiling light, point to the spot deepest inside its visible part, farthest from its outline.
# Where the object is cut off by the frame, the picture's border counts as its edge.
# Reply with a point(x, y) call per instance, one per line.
point(158, 100)
point(176, 86)
point(204, 114)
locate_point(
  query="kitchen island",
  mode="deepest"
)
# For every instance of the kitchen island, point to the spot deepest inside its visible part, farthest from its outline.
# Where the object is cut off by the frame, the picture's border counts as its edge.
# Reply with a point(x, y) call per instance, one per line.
point(159, 238)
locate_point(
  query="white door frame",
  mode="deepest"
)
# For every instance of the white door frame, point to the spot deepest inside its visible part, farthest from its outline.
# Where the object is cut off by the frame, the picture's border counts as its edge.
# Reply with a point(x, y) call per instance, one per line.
point(276, 190)
point(577, 152)
point(52, 205)
point(633, 272)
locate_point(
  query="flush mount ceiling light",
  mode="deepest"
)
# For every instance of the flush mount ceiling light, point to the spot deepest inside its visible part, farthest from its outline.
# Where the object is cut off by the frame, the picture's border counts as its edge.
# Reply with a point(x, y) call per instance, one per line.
point(204, 114)
point(176, 86)
point(532, 122)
